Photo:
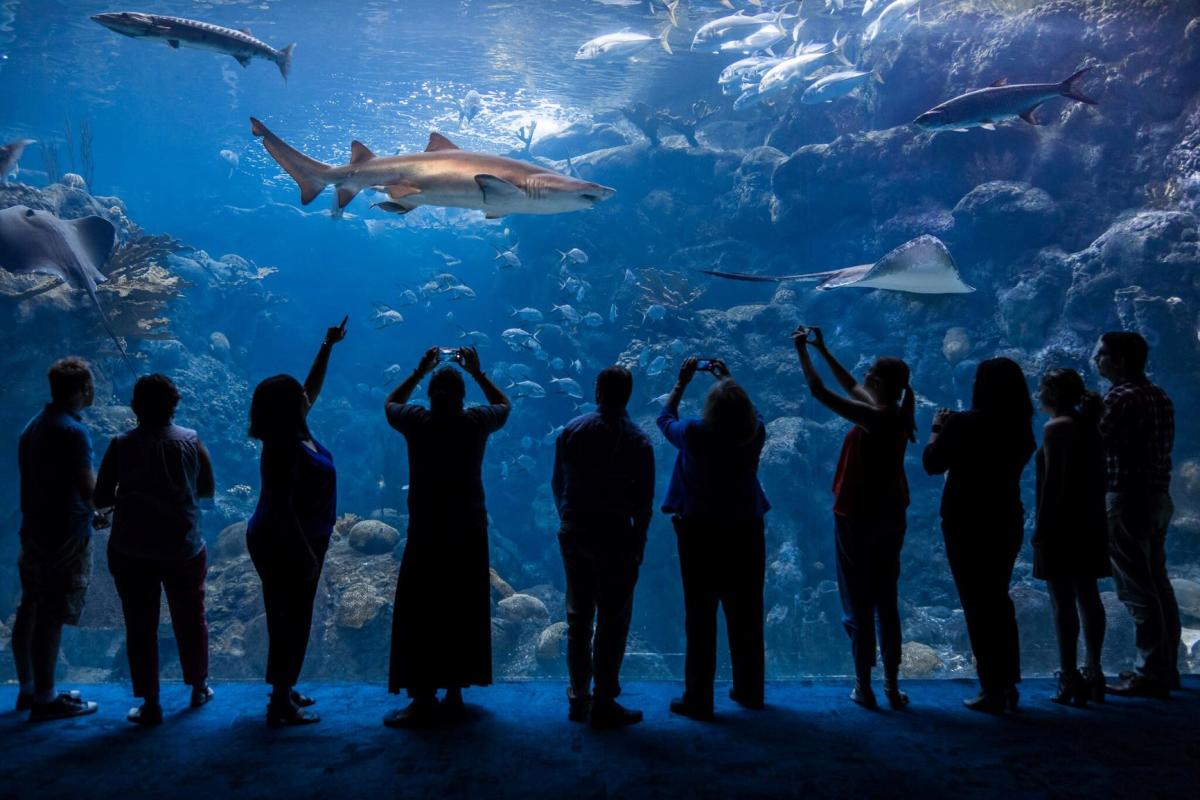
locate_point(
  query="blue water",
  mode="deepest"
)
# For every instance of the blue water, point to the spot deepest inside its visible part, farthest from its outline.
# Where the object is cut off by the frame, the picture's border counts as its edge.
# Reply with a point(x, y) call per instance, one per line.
point(856, 180)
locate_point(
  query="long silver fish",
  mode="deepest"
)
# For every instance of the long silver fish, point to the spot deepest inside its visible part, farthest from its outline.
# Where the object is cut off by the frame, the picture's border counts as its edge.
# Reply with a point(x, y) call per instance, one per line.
point(984, 107)
point(443, 175)
point(178, 31)
point(10, 157)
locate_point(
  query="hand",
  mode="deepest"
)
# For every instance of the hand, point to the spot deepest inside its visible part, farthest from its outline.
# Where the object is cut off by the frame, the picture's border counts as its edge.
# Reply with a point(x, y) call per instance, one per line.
point(939, 419)
point(719, 370)
point(817, 338)
point(468, 358)
point(429, 360)
point(337, 332)
point(800, 338)
point(101, 520)
point(687, 371)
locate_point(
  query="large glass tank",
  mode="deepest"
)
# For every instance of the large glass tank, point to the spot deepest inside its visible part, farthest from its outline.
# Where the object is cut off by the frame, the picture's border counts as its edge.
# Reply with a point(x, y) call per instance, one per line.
point(1081, 223)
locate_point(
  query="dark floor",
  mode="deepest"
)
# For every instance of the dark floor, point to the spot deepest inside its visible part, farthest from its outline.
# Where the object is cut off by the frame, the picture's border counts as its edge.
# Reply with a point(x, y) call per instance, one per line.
point(810, 741)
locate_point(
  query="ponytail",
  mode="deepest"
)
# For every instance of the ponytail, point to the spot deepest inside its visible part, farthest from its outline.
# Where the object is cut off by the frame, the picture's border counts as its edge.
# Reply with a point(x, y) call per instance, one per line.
point(908, 414)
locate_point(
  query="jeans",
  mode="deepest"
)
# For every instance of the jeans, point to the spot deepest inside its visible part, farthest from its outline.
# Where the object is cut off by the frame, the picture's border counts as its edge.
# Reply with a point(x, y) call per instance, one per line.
point(140, 584)
point(289, 584)
point(601, 565)
point(1137, 530)
point(868, 570)
point(723, 563)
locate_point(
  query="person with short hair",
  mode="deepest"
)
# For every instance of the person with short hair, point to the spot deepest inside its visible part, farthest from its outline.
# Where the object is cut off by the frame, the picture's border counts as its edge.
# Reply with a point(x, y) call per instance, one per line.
point(983, 452)
point(289, 533)
point(603, 486)
point(1070, 535)
point(57, 518)
point(442, 618)
point(1138, 429)
point(154, 477)
point(718, 507)
point(870, 506)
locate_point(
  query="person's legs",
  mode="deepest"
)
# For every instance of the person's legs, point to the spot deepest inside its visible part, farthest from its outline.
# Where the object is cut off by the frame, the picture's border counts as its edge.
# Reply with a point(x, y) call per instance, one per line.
point(966, 569)
point(742, 598)
point(617, 576)
point(138, 586)
point(22, 643)
point(579, 567)
point(47, 634)
point(1066, 622)
point(854, 575)
point(888, 542)
point(696, 566)
point(183, 583)
point(1134, 562)
point(1091, 614)
point(1009, 639)
point(1163, 510)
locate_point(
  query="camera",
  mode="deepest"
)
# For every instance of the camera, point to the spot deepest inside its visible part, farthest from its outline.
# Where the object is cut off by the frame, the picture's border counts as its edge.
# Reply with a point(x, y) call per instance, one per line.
point(705, 365)
point(448, 354)
point(806, 332)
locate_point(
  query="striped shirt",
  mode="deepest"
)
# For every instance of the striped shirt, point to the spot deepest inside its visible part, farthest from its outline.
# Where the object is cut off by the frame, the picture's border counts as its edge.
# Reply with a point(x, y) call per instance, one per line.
point(1138, 427)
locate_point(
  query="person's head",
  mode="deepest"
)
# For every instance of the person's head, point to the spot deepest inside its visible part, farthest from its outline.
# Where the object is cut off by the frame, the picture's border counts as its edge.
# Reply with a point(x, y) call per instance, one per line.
point(1121, 355)
point(1062, 392)
point(447, 390)
point(1000, 390)
point(729, 413)
point(71, 383)
point(614, 385)
point(154, 400)
point(278, 410)
point(887, 382)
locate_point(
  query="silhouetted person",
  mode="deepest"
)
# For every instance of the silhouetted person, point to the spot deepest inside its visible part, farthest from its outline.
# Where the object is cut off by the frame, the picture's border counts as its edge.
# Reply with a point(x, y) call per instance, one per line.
point(288, 535)
point(154, 477)
point(442, 621)
point(1138, 429)
point(984, 451)
point(719, 508)
point(604, 490)
point(57, 516)
point(870, 506)
point(1070, 538)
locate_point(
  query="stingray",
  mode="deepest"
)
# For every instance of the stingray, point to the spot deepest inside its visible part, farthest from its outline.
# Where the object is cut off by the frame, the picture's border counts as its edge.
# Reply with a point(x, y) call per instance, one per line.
point(70, 250)
point(920, 266)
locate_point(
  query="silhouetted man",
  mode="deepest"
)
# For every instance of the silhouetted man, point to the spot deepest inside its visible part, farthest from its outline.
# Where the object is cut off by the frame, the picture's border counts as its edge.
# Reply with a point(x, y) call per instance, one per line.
point(604, 489)
point(1138, 428)
point(442, 622)
point(57, 481)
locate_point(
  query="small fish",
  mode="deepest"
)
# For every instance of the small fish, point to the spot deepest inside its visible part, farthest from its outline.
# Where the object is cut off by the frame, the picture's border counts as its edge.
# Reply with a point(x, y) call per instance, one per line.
point(519, 371)
point(527, 388)
point(889, 18)
point(762, 38)
point(568, 386)
point(409, 298)
point(557, 330)
point(557, 363)
point(526, 442)
point(508, 258)
point(527, 314)
point(469, 106)
point(451, 261)
point(745, 72)
point(574, 255)
point(581, 292)
point(569, 314)
point(612, 313)
point(654, 313)
point(553, 434)
point(386, 316)
point(676, 347)
point(657, 366)
point(593, 320)
point(714, 34)
point(644, 357)
point(526, 462)
point(577, 365)
point(230, 158)
point(625, 44)
point(660, 400)
point(460, 292)
point(519, 339)
point(630, 280)
point(833, 86)
point(475, 338)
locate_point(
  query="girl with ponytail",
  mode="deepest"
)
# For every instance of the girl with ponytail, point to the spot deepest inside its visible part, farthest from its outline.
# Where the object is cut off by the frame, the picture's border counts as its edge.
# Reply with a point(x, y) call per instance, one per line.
point(870, 505)
point(1070, 539)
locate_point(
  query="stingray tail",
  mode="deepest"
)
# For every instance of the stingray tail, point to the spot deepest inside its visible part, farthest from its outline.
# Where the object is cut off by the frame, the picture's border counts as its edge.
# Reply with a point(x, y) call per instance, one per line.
point(753, 278)
point(91, 290)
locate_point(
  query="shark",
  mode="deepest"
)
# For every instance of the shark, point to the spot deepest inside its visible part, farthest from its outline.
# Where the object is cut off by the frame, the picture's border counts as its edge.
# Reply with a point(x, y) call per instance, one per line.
point(920, 266)
point(1001, 101)
point(10, 157)
point(177, 31)
point(34, 241)
point(442, 175)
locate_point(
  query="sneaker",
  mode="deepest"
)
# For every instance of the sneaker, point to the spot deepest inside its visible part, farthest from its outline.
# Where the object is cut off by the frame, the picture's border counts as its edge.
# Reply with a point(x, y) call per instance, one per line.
point(302, 700)
point(579, 708)
point(754, 702)
point(146, 714)
point(284, 715)
point(864, 695)
point(611, 714)
point(62, 707)
point(419, 714)
point(1139, 686)
point(685, 709)
point(987, 703)
point(201, 695)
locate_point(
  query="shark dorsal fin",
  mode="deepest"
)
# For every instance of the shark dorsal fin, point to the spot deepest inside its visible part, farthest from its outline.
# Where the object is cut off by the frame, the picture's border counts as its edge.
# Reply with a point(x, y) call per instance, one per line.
point(439, 142)
point(359, 152)
point(998, 82)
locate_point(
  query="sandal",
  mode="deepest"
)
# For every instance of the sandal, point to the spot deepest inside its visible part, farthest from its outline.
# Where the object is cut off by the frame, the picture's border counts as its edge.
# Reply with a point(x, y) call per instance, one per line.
point(62, 707)
point(201, 695)
point(289, 715)
point(146, 714)
point(302, 700)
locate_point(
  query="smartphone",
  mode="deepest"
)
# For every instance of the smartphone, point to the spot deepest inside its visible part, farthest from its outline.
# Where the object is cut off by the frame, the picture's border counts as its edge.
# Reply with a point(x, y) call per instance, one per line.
point(447, 353)
point(705, 365)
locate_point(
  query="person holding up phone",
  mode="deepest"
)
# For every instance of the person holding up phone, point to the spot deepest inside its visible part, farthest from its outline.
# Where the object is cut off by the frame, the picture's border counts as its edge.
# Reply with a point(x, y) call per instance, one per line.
point(442, 622)
point(870, 505)
point(289, 533)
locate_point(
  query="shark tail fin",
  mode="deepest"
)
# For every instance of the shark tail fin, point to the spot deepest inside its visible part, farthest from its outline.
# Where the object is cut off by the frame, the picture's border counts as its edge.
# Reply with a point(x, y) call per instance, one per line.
point(1069, 89)
point(285, 60)
point(308, 173)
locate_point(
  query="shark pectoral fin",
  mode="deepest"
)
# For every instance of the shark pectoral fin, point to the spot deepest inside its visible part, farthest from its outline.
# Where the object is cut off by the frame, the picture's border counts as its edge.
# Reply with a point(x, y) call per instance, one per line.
point(1028, 116)
point(393, 208)
point(439, 142)
point(397, 191)
point(344, 196)
point(173, 44)
point(497, 190)
point(359, 152)
point(243, 60)
point(495, 214)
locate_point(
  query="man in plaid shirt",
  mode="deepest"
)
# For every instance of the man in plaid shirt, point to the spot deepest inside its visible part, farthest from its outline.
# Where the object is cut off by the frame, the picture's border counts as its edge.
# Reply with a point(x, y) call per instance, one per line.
point(1138, 428)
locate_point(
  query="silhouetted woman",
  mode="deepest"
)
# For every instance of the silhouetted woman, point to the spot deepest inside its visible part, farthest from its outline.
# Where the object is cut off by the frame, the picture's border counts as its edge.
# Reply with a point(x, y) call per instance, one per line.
point(983, 452)
point(154, 476)
point(719, 508)
point(1070, 539)
point(870, 504)
point(289, 533)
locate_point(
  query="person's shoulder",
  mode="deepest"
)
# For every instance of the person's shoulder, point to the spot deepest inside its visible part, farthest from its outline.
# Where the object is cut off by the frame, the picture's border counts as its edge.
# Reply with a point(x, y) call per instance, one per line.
point(1059, 427)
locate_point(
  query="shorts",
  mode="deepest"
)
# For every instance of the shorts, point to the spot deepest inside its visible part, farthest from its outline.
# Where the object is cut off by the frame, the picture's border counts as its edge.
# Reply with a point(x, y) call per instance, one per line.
point(54, 583)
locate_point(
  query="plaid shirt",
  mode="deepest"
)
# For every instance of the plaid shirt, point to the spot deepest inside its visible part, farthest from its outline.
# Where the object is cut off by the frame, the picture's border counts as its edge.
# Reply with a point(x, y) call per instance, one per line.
point(1138, 426)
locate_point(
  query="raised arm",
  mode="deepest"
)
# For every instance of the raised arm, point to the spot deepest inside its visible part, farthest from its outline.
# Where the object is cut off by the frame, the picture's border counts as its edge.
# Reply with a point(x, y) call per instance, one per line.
point(668, 418)
point(404, 391)
point(849, 408)
point(939, 451)
point(468, 357)
point(844, 377)
point(316, 373)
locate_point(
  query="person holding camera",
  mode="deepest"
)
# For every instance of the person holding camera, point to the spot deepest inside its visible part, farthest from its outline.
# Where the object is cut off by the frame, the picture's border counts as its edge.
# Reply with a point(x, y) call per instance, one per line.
point(289, 532)
point(154, 477)
point(718, 507)
point(442, 620)
point(604, 491)
point(983, 452)
point(870, 505)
